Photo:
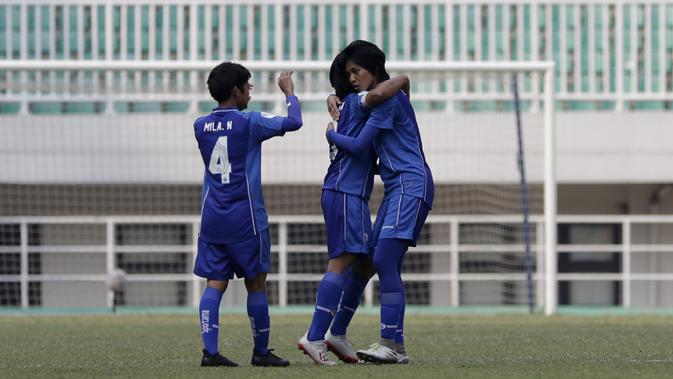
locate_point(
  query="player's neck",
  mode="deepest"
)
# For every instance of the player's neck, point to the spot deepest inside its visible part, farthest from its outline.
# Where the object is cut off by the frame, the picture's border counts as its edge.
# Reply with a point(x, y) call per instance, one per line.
point(228, 104)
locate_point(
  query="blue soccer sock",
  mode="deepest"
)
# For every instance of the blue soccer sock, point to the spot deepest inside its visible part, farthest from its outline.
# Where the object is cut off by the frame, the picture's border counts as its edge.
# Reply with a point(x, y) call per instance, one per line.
point(391, 307)
point(350, 299)
point(327, 301)
point(209, 314)
point(399, 333)
point(258, 313)
point(387, 258)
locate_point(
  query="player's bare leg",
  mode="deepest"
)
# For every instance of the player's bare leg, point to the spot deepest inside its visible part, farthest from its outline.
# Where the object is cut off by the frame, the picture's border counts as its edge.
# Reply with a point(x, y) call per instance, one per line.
point(220, 285)
point(258, 283)
point(258, 312)
point(341, 263)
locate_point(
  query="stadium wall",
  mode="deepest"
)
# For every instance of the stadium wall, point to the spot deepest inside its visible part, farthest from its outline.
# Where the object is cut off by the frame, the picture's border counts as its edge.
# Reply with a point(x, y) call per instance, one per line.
point(161, 149)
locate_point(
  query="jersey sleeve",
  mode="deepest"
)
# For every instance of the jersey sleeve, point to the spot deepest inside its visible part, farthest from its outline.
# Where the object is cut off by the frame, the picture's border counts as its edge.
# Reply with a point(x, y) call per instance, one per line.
point(265, 125)
point(362, 100)
point(362, 108)
point(354, 145)
point(382, 116)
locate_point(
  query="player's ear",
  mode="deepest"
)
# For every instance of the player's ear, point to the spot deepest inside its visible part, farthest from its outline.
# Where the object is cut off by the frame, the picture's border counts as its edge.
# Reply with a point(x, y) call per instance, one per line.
point(235, 92)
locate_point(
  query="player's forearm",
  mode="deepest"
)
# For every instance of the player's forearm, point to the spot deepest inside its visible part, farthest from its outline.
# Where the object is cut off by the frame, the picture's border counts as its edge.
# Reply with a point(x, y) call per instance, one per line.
point(353, 145)
point(293, 121)
point(385, 90)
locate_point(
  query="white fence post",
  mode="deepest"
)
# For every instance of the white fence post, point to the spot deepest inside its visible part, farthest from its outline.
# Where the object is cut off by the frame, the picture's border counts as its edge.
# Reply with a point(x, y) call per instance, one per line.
point(193, 52)
point(24, 265)
point(282, 263)
point(196, 288)
point(110, 256)
point(626, 263)
point(619, 56)
point(23, 53)
point(455, 263)
point(109, 30)
point(539, 263)
point(550, 193)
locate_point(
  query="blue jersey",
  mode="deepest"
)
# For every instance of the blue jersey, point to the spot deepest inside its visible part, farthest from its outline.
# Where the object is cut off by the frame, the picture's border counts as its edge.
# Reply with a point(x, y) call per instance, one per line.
point(230, 141)
point(403, 168)
point(348, 173)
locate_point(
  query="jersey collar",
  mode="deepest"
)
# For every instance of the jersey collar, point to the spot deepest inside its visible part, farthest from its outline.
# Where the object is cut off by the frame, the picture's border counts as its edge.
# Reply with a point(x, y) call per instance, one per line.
point(218, 109)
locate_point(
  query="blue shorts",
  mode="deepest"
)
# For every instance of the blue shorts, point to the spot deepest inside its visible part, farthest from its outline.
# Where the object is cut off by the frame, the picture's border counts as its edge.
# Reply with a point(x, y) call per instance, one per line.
point(245, 259)
point(348, 223)
point(401, 217)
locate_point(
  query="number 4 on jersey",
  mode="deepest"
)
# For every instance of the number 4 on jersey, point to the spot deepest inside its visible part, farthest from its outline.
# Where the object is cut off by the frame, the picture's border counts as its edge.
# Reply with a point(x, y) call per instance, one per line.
point(219, 160)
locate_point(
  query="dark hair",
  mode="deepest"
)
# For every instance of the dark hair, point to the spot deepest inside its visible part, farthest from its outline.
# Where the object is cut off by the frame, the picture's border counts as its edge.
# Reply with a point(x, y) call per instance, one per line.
point(362, 53)
point(337, 76)
point(224, 77)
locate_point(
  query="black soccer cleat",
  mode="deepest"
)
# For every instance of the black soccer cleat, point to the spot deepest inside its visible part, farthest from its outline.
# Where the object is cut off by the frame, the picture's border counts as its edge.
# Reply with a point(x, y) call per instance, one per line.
point(216, 360)
point(270, 359)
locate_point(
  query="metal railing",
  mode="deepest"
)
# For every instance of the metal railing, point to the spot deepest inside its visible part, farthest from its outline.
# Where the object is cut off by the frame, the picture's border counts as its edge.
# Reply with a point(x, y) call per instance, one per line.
point(451, 274)
point(611, 52)
point(110, 82)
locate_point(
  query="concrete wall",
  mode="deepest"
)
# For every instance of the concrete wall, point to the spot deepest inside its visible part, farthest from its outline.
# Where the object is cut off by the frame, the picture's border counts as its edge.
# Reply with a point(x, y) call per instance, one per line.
point(592, 148)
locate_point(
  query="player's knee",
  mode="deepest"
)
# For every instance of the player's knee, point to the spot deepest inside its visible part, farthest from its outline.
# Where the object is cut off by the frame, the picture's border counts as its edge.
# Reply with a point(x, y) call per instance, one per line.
point(220, 285)
point(340, 263)
point(256, 284)
point(364, 268)
point(381, 264)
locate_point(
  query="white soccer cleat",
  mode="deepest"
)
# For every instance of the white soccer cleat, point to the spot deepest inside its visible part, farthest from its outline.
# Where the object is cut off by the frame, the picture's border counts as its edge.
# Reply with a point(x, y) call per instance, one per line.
point(341, 347)
point(402, 358)
point(316, 350)
point(378, 353)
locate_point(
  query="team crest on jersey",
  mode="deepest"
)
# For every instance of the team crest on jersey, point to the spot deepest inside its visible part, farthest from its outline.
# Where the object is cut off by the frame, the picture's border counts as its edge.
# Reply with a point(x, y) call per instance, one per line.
point(268, 115)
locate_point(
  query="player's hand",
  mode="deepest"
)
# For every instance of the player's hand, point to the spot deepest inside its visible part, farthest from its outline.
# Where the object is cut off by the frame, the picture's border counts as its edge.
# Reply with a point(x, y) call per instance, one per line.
point(333, 103)
point(285, 83)
point(330, 126)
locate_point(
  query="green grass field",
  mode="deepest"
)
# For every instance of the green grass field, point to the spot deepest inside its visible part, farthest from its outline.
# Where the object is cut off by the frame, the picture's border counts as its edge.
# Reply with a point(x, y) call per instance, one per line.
point(512, 346)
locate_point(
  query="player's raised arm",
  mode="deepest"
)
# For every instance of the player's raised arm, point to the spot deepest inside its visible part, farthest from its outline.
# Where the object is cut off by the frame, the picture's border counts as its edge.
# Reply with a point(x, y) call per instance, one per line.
point(381, 118)
point(293, 120)
point(265, 125)
point(387, 89)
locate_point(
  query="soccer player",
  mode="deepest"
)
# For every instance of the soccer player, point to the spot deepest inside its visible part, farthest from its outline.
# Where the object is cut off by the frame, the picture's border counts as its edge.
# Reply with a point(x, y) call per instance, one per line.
point(234, 236)
point(408, 196)
point(345, 199)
